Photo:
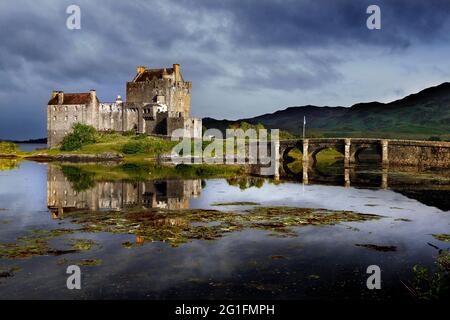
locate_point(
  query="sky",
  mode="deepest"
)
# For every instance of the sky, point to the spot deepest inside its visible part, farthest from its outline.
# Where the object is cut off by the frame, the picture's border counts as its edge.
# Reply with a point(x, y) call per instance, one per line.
point(244, 58)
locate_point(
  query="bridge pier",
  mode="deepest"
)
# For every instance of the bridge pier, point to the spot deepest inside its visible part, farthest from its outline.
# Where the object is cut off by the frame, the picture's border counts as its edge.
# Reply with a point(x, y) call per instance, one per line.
point(305, 151)
point(305, 172)
point(347, 154)
point(384, 178)
point(384, 153)
point(346, 177)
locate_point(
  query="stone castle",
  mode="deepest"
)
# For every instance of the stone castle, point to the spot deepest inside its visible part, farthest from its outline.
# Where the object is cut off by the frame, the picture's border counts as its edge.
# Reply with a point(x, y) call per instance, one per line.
point(158, 101)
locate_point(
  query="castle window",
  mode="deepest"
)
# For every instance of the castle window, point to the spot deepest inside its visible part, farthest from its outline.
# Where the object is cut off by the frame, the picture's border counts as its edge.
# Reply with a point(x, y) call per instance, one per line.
point(66, 118)
point(65, 108)
point(54, 133)
point(54, 108)
point(75, 118)
point(54, 118)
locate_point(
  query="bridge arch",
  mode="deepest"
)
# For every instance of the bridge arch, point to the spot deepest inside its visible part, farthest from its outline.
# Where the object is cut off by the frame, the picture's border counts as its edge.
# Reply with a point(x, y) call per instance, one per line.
point(313, 154)
point(357, 150)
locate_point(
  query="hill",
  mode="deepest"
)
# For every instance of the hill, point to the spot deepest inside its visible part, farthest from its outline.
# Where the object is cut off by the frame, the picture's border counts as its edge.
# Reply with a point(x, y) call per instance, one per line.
point(422, 115)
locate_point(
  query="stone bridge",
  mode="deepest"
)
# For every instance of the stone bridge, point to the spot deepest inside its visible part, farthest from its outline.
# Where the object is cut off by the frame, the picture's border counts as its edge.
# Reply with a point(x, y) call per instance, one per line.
point(395, 152)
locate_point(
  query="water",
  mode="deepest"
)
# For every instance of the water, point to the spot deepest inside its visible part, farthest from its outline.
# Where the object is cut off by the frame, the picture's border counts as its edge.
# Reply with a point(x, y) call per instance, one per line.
point(31, 146)
point(313, 262)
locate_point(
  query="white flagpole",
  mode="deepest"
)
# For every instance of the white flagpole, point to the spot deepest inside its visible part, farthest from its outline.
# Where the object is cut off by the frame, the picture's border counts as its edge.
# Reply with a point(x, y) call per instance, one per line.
point(304, 125)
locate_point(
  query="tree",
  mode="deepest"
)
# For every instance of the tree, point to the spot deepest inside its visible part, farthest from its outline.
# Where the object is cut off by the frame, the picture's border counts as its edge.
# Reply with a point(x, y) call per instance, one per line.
point(82, 135)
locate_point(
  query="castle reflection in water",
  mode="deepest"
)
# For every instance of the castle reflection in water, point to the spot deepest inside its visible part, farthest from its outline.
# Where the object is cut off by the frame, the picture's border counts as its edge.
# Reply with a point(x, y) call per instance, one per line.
point(167, 194)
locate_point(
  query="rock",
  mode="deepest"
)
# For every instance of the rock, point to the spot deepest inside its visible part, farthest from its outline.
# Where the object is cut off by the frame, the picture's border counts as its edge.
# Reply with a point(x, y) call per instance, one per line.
point(104, 156)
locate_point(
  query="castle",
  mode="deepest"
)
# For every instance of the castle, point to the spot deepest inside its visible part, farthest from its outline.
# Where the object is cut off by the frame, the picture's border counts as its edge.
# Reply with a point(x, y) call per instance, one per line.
point(158, 101)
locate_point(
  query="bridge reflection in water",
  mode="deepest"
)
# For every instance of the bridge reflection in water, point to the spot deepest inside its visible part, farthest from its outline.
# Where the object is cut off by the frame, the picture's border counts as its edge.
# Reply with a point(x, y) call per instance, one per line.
point(342, 175)
point(169, 194)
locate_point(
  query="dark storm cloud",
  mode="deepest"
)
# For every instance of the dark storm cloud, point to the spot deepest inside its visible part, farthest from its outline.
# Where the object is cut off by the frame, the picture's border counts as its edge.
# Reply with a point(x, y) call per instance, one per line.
point(236, 45)
point(294, 23)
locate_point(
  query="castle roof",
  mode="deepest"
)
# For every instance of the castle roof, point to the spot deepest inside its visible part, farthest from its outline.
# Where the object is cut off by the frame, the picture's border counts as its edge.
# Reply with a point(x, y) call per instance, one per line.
point(72, 98)
point(149, 74)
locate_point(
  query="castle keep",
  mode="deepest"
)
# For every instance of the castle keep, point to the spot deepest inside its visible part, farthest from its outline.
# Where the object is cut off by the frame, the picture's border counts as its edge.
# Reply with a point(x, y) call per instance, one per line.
point(157, 102)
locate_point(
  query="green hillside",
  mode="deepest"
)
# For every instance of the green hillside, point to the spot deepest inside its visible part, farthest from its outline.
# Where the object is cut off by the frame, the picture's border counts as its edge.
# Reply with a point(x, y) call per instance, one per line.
point(423, 115)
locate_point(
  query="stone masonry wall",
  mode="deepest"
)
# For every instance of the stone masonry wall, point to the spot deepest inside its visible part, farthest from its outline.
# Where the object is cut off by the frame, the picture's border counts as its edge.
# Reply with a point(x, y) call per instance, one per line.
point(60, 119)
point(415, 153)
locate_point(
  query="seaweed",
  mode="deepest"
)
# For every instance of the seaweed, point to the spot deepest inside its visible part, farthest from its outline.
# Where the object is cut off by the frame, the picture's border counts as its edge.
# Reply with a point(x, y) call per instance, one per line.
point(181, 226)
point(8, 272)
point(431, 285)
point(237, 203)
point(442, 237)
point(174, 227)
point(378, 247)
point(35, 244)
point(81, 263)
point(82, 244)
point(403, 219)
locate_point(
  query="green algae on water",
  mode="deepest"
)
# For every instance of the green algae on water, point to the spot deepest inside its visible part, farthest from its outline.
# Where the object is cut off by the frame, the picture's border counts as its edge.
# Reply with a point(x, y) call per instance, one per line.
point(442, 237)
point(181, 226)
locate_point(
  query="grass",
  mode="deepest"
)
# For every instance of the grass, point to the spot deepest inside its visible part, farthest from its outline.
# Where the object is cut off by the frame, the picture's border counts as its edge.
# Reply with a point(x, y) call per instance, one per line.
point(325, 155)
point(106, 142)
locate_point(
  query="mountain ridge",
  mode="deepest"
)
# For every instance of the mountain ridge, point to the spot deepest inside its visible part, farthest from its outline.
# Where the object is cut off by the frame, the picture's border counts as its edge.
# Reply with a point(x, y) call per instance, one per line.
point(423, 114)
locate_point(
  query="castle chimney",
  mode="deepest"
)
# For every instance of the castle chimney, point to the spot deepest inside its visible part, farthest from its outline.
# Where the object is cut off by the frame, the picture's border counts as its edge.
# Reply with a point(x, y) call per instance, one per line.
point(54, 93)
point(140, 69)
point(176, 71)
point(60, 97)
point(93, 94)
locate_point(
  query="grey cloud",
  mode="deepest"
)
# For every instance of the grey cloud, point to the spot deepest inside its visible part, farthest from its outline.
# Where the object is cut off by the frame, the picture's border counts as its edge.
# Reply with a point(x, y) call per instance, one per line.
point(240, 46)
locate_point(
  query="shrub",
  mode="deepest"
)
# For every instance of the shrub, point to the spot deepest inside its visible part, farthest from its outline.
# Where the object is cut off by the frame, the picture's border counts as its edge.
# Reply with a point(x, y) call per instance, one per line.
point(434, 138)
point(142, 144)
point(8, 147)
point(82, 135)
point(135, 147)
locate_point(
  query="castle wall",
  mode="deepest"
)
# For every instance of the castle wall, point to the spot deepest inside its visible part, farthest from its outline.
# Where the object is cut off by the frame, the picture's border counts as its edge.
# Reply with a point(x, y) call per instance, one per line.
point(60, 119)
point(177, 94)
point(174, 124)
point(131, 116)
point(110, 117)
point(156, 124)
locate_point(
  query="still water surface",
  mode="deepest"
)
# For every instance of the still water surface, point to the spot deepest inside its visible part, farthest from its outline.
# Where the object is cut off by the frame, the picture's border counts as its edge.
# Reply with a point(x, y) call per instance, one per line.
point(313, 262)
